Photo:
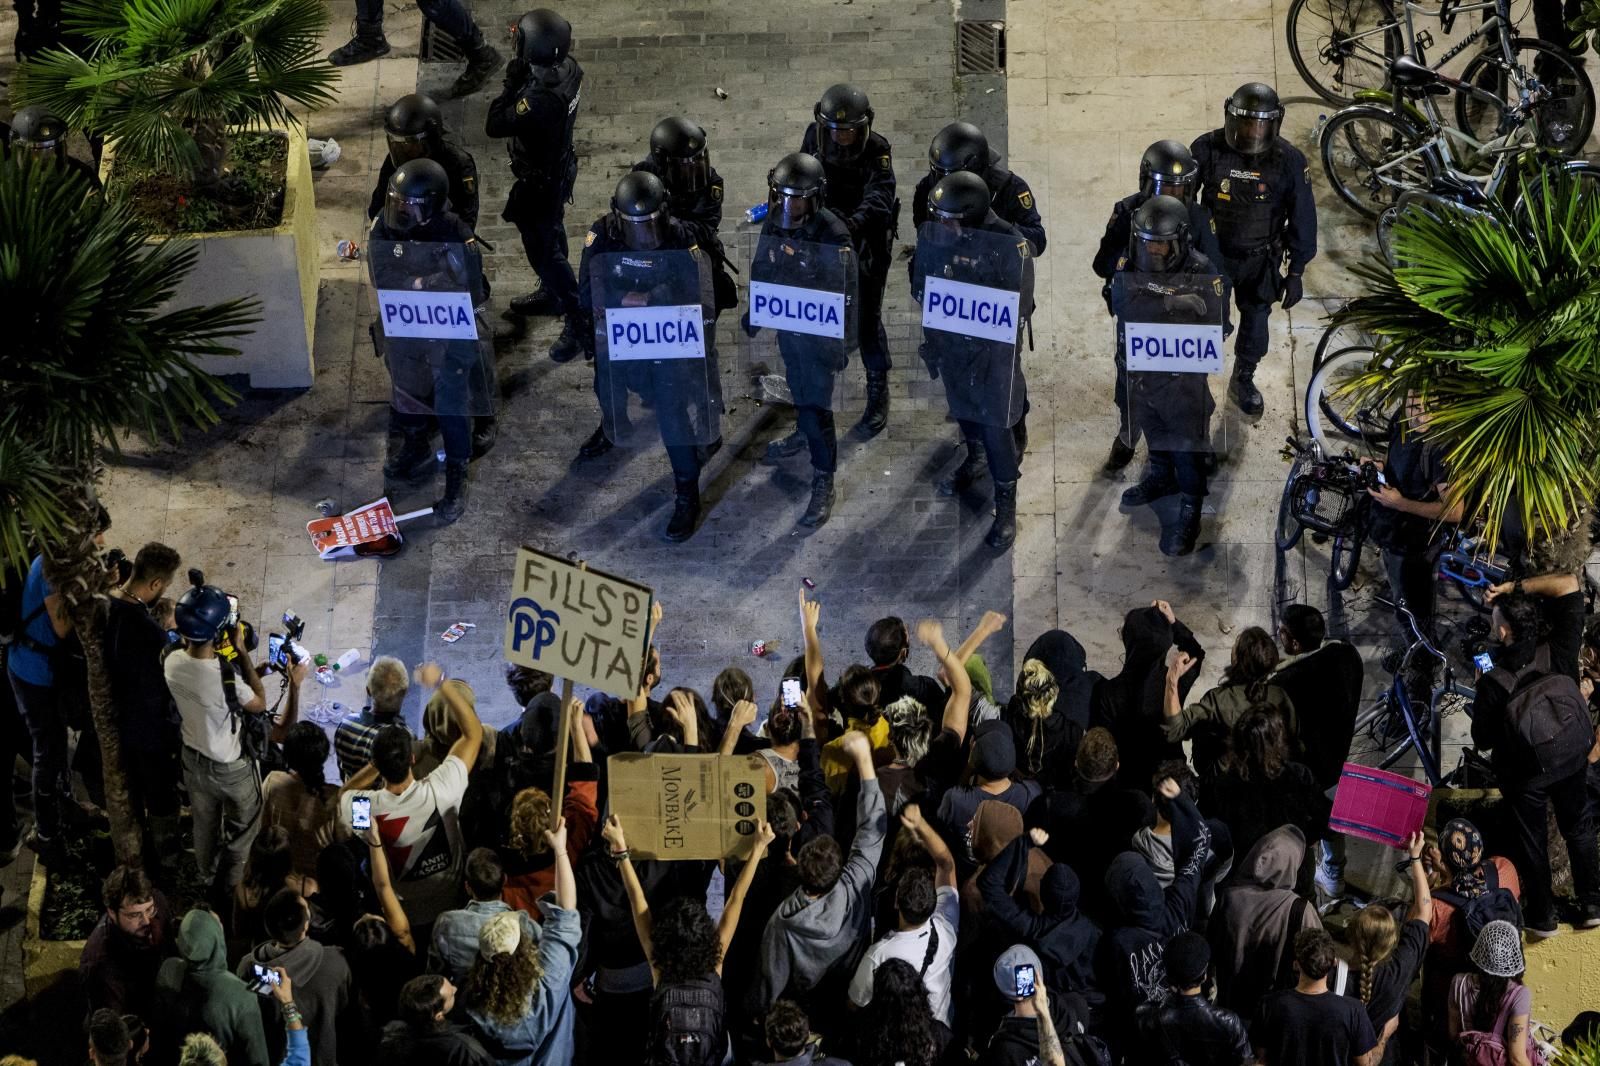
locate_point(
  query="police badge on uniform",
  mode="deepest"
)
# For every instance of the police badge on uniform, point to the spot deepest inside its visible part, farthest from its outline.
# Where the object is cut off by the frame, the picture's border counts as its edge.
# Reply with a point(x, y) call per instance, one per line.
point(588, 238)
point(716, 193)
point(1026, 200)
point(1216, 286)
point(884, 164)
point(1224, 186)
point(522, 106)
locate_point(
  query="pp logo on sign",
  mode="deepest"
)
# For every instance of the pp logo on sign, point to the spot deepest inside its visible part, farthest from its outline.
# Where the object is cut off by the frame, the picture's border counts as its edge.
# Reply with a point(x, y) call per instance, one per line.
point(529, 621)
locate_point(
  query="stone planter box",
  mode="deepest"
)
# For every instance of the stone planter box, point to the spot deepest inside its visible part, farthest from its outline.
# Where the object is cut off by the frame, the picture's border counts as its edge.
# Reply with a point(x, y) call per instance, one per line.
point(277, 266)
point(48, 966)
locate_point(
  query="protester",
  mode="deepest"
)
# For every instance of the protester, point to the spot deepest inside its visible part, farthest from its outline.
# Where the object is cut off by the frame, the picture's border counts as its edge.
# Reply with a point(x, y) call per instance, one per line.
point(387, 684)
point(1186, 1029)
point(1027, 1034)
point(1049, 711)
point(1466, 883)
point(895, 1027)
point(1387, 956)
point(423, 1035)
point(455, 933)
point(1491, 1005)
point(1307, 1025)
point(128, 944)
point(301, 801)
point(1209, 721)
point(529, 867)
point(1257, 787)
point(211, 996)
point(325, 992)
point(1257, 919)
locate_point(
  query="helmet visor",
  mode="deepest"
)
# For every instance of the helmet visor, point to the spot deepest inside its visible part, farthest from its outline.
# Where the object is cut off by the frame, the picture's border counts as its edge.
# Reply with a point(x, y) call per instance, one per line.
point(1158, 255)
point(403, 214)
point(1251, 132)
point(789, 211)
point(841, 141)
point(687, 175)
point(1175, 186)
point(643, 234)
point(404, 148)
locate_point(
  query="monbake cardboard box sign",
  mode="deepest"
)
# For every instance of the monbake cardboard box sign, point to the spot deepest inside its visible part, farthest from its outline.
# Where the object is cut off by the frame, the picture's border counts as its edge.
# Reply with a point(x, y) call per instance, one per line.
point(687, 806)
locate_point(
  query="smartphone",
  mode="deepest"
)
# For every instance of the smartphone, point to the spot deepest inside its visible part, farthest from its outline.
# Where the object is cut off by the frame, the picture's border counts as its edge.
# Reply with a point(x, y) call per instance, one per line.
point(1483, 662)
point(233, 611)
point(1381, 479)
point(275, 657)
point(266, 980)
point(1023, 975)
point(790, 692)
point(361, 813)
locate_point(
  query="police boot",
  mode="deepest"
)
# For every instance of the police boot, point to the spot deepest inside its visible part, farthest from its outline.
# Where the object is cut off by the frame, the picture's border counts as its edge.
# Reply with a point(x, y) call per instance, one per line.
point(1120, 456)
point(368, 44)
point(483, 436)
point(821, 505)
point(1004, 530)
point(538, 302)
point(685, 510)
point(1157, 482)
point(793, 444)
point(876, 416)
point(1244, 392)
point(969, 473)
point(1179, 539)
point(414, 459)
point(453, 504)
point(569, 345)
point(482, 62)
point(597, 444)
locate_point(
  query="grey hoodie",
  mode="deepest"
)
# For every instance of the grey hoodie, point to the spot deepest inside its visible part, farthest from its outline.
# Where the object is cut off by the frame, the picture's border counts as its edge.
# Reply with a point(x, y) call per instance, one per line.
point(322, 991)
point(1251, 923)
point(806, 939)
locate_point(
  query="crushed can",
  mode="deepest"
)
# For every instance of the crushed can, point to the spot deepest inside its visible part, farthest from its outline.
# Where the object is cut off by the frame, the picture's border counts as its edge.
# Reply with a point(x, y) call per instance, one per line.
point(456, 632)
point(760, 648)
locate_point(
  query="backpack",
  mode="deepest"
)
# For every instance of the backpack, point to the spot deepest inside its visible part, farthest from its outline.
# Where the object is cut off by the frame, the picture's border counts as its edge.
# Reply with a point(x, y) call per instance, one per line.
point(1473, 914)
point(1481, 1048)
point(686, 1023)
point(1548, 717)
point(253, 730)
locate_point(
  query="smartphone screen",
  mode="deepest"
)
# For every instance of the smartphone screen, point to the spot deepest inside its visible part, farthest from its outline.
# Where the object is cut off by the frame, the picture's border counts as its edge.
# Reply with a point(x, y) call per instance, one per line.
point(361, 813)
point(266, 974)
point(790, 691)
point(1483, 661)
point(233, 611)
point(1024, 978)
point(275, 649)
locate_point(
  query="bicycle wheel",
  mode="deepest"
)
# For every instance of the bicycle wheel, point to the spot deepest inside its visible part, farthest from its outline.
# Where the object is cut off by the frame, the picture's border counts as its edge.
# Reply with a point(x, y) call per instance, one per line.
point(1371, 155)
point(1288, 532)
point(1337, 338)
point(1564, 119)
point(1342, 46)
point(1531, 195)
point(1333, 417)
point(1346, 559)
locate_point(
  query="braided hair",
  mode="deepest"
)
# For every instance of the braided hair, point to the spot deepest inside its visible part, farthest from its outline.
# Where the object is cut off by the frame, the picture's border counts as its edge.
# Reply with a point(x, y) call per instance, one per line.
point(1373, 935)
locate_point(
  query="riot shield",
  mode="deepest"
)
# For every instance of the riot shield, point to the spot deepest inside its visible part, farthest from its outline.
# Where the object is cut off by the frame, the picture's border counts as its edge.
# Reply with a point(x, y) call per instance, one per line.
point(655, 353)
point(1169, 343)
point(430, 328)
point(801, 316)
point(976, 292)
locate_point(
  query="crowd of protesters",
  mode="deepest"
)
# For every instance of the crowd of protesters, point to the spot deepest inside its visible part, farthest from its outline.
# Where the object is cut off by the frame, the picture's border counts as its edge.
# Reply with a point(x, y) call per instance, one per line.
point(1095, 868)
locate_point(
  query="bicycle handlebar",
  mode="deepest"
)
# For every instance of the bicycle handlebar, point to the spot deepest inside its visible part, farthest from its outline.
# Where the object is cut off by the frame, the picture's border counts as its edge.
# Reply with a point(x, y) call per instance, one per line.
point(1411, 620)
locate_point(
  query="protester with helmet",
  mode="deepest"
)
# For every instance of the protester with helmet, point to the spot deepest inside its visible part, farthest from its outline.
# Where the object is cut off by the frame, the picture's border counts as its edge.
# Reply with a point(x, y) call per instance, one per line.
point(960, 202)
point(861, 191)
point(36, 131)
point(800, 229)
point(223, 783)
point(1173, 410)
point(536, 111)
point(415, 130)
point(963, 146)
point(444, 377)
point(451, 16)
point(640, 220)
point(1256, 185)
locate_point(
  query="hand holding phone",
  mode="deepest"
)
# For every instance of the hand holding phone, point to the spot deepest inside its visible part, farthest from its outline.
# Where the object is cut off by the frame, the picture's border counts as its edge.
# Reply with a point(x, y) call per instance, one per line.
point(1483, 662)
point(266, 978)
point(1024, 977)
point(790, 692)
point(361, 813)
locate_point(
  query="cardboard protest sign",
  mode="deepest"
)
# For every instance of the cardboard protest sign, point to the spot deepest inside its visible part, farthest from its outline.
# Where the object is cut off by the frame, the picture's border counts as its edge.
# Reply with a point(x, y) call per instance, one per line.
point(1378, 805)
point(583, 625)
point(688, 806)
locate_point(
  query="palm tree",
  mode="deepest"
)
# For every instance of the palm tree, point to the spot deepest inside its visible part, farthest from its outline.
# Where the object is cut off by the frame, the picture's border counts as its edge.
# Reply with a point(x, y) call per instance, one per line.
point(165, 81)
point(89, 351)
point(1493, 317)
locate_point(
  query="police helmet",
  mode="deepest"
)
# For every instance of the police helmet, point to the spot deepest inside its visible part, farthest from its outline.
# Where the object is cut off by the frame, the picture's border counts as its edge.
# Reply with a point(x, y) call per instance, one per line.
point(1251, 118)
point(417, 194)
point(39, 131)
point(844, 123)
point(412, 126)
point(639, 207)
point(202, 613)
point(960, 197)
point(959, 146)
point(1168, 169)
point(795, 190)
point(1159, 243)
point(678, 148)
point(543, 38)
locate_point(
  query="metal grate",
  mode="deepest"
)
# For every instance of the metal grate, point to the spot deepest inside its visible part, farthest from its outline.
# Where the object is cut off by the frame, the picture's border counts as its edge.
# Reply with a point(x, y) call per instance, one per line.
point(438, 46)
point(980, 47)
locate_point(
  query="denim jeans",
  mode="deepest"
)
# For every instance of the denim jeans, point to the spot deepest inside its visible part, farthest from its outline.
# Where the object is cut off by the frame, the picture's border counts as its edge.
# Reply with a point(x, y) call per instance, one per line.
point(225, 800)
point(52, 781)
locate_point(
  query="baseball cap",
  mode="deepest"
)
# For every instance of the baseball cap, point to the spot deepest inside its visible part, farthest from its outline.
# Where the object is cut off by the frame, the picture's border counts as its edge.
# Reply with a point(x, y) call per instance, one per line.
point(500, 935)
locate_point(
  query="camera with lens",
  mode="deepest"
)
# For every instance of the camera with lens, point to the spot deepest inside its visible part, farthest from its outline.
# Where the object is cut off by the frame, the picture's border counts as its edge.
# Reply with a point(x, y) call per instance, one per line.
point(283, 649)
point(118, 565)
point(206, 613)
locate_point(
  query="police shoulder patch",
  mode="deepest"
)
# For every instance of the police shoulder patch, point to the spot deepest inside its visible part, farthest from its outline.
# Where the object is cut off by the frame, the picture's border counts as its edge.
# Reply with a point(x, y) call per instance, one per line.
point(884, 163)
point(716, 193)
point(1213, 224)
point(522, 106)
point(468, 182)
point(588, 238)
point(1025, 198)
point(1122, 261)
point(1216, 286)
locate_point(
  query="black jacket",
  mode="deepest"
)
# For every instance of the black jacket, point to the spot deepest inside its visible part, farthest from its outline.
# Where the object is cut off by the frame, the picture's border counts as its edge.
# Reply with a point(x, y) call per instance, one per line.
point(459, 167)
point(450, 1045)
point(1258, 200)
point(861, 193)
point(1009, 195)
point(1119, 230)
point(1192, 1031)
point(700, 210)
point(537, 119)
point(1324, 686)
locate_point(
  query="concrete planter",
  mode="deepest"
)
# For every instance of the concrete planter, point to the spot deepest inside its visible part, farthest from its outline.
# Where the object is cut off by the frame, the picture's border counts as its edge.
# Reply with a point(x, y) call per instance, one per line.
point(277, 266)
point(48, 966)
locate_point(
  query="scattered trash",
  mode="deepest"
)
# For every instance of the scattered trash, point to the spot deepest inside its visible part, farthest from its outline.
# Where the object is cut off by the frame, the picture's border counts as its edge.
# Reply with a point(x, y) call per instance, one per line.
point(327, 507)
point(457, 631)
point(756, 212)
point(325, 675)
point(759, 648)
point(347, 660)
point(986, 92)
point(324, 151)
point(808, 583)
point(1224, 627)
point(775, 389)
point(721, 93)
point(324, 712)
point(349, 251)
point(886, 473)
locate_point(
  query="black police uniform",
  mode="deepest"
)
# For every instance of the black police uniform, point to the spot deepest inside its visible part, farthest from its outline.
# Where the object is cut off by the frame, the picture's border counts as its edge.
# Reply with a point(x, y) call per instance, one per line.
point(1263, 208)
point(699, 209)
point(999, 442)
point(1172, 410)
point(603, 237)
point(538, 119)
point(810, 364)
point(459, 167)
point(450, 381)
point(1119, 231)
point(1009, 196)
point(862, 194)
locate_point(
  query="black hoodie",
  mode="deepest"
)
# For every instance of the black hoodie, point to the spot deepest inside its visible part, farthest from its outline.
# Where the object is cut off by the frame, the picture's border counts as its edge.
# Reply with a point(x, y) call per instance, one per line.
point(1064, 939)
point(1047, 746)
point(1130, 704)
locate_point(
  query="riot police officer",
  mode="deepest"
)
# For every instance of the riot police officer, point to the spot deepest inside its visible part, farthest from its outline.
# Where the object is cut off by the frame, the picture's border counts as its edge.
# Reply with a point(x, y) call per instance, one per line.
point(1166, 169)
point(799, 227)
point(415, 130)
point(861, 191)
point(416, 209)
point(37, 131)
point(679, 157)
point(640, 220)
point(451, 16)
point(961, 201)
point(1172, 409)
point(537, 110)
point(1257, 187)
point(963, 146)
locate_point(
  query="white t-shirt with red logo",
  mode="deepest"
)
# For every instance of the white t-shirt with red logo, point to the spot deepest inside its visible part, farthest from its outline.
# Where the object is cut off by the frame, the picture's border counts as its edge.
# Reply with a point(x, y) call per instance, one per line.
point(421, 835)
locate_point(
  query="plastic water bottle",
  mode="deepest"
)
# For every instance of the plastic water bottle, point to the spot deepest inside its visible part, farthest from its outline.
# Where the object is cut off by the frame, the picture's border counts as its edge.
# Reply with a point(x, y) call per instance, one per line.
point(756, 213)
point(347, 660)
point(1315, 139)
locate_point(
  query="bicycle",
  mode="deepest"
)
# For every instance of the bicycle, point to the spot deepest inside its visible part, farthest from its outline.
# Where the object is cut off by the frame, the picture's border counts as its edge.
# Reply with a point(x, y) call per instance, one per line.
point(1327, 494)
point(1353, 43)
point(1333, 413)
point(1375, 153)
